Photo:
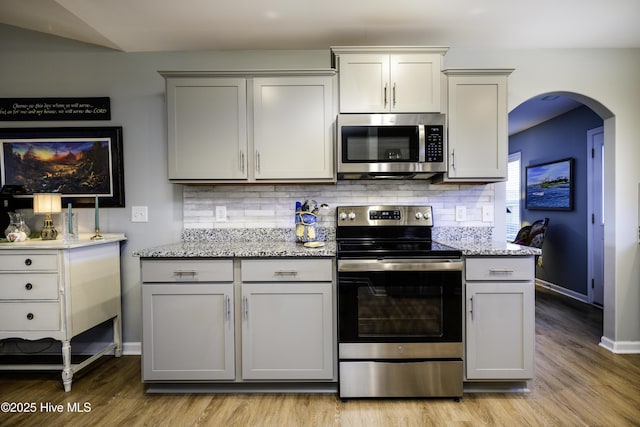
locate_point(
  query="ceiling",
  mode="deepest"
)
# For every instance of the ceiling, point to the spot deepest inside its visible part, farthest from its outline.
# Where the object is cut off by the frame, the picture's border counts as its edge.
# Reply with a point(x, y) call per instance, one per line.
point(187, 25)
point(196, 25)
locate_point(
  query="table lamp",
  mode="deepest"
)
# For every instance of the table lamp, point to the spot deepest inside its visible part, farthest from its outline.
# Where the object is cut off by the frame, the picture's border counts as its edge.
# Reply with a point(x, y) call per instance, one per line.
point(47, 204)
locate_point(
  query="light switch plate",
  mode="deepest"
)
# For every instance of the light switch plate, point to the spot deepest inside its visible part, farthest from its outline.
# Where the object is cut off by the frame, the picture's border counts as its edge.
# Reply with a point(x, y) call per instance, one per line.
point(139, 214)
point(461, 213)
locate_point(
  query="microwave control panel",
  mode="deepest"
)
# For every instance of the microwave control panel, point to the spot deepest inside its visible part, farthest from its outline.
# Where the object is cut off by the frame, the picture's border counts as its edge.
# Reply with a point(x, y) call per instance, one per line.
point(434, 144)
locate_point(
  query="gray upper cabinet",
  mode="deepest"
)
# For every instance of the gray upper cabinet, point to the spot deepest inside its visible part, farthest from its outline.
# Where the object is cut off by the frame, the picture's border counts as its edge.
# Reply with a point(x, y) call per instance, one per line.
point(258, 126)
point(207, 128)
point(478, 125)
point(389, 79)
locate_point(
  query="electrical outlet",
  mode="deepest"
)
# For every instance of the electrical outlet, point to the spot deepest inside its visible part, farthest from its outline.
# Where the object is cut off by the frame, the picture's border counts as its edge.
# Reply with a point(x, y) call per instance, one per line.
point(487, 213)
point(139, 214)
point(461, 213)
point(221, 213)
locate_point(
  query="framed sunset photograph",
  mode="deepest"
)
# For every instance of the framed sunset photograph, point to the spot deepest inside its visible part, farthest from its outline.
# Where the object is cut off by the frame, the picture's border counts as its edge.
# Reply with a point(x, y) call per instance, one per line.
point(80, 163)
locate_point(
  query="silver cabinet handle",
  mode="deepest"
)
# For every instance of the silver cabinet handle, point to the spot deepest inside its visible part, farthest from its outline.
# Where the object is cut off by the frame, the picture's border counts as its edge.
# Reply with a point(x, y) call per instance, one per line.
point(286, 273)
point(471, 307)
point(245, 308)
point(393, 96)
point(453, 159)
point(500, 271)
point(227, 302)
point(242, 161)
point(385, 94)
point(257, 161)
point(183, 273)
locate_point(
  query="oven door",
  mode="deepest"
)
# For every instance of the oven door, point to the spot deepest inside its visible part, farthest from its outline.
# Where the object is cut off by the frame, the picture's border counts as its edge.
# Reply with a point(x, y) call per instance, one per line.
point(401, 301)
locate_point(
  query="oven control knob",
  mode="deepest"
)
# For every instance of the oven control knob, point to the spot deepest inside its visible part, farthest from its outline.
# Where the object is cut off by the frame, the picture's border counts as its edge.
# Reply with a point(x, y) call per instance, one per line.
point(427, 215)
point(343, 216)
point(418, 215)
point(352, 215)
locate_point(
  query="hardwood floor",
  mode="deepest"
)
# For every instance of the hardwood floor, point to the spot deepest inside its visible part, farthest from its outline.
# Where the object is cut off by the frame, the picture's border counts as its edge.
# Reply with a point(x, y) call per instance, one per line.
point(577, 383)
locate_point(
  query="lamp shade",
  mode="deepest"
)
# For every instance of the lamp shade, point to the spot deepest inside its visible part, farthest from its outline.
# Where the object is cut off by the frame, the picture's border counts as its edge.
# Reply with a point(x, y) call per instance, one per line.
point(47, 203)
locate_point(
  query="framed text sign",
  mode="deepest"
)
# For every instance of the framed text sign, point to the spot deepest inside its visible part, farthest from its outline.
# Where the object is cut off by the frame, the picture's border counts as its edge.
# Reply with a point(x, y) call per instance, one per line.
point(81, 163)
point(45, 109)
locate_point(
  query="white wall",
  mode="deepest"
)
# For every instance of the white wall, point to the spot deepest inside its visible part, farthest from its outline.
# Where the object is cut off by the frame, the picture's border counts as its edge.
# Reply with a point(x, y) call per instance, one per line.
point(35, 65)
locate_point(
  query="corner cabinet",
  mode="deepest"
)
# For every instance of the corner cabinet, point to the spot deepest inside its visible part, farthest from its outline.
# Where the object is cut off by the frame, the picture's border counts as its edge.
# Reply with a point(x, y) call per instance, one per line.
point(500, 318)
point(478, 125)
point(389, 79)
point(250, 126)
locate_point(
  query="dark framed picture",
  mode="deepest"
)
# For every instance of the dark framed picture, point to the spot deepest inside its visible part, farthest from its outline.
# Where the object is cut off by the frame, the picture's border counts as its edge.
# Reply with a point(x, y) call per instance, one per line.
point(79, 162)
point(549, 186)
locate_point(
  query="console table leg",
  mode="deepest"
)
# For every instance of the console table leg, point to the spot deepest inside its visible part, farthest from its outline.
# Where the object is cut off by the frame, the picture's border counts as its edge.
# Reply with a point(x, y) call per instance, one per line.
point(67, 373)
point(117, 336)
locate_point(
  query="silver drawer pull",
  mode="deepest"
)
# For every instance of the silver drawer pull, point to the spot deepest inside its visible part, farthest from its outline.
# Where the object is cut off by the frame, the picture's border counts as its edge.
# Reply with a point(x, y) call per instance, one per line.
point(181, 273)
point(286, 273)
point(500, 271)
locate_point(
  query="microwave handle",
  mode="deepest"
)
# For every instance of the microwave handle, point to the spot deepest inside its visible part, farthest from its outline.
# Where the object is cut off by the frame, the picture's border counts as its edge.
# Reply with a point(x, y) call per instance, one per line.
point(422, 145)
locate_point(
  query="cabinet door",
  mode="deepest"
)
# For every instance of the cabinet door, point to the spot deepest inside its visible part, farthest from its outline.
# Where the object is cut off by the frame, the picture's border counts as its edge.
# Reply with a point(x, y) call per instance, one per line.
point(500, 330)
point(364, 83)
point(478, 133)
point(293, 127)
point(415, 83)
point(187, 332)
point(287, 331)
point(207, 128)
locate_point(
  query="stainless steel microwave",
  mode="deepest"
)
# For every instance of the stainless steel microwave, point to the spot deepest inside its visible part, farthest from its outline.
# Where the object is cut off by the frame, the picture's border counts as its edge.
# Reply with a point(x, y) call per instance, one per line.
point(401, 146)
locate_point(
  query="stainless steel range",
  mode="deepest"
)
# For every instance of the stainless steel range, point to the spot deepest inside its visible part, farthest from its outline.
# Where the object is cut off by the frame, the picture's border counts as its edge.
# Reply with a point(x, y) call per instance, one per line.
point(399, 304)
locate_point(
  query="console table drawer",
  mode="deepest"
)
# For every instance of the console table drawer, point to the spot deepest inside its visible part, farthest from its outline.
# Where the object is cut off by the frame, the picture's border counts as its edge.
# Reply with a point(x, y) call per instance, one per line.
point(28, 262)
point(28, 286)
point(32, 316)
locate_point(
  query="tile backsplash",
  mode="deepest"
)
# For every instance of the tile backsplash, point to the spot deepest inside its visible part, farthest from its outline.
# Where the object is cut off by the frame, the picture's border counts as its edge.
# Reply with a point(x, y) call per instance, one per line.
point(273, 205)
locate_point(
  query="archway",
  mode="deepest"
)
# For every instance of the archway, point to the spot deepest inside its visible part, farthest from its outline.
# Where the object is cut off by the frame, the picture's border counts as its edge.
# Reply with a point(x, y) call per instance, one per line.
point(608, 121)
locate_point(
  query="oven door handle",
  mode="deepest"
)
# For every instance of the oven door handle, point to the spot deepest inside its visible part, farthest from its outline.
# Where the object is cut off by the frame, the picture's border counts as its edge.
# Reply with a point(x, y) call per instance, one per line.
point(400, 265)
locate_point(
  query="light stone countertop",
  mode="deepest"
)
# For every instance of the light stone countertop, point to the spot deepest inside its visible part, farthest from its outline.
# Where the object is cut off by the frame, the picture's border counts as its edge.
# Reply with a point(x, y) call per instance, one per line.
point(278, 248)
point(236, 249)
point(491, 248)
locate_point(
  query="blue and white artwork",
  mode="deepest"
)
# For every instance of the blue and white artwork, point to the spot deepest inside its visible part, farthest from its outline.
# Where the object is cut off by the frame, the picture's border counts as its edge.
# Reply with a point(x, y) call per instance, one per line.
point(550, 185)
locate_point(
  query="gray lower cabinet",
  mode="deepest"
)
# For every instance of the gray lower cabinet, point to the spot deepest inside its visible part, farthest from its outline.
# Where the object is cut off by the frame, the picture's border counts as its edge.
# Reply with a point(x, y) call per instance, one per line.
point(287, 320)
point(500, 318)
point(188, 320)
point(274, 322)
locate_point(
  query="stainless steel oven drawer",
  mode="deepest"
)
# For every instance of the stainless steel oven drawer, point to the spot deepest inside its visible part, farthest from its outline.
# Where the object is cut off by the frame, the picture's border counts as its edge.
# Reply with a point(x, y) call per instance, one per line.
point(401, 379)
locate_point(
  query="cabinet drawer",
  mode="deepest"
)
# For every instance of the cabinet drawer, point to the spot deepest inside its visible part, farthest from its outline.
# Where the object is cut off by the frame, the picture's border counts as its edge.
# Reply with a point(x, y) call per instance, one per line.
point(511, 268)
point(28, 261)
point(31, 316)
point(29, 286)
point(188, 270)
point(283, 270)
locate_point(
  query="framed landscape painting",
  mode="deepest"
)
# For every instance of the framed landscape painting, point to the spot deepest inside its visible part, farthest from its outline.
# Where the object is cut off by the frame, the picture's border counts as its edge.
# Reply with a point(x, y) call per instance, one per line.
point(549, 186)
point(80, 163)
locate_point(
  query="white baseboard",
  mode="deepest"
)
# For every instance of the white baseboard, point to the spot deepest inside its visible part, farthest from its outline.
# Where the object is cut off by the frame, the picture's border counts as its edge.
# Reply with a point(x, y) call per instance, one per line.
point(564, 291)
point(620, 347)
point(132, 348)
